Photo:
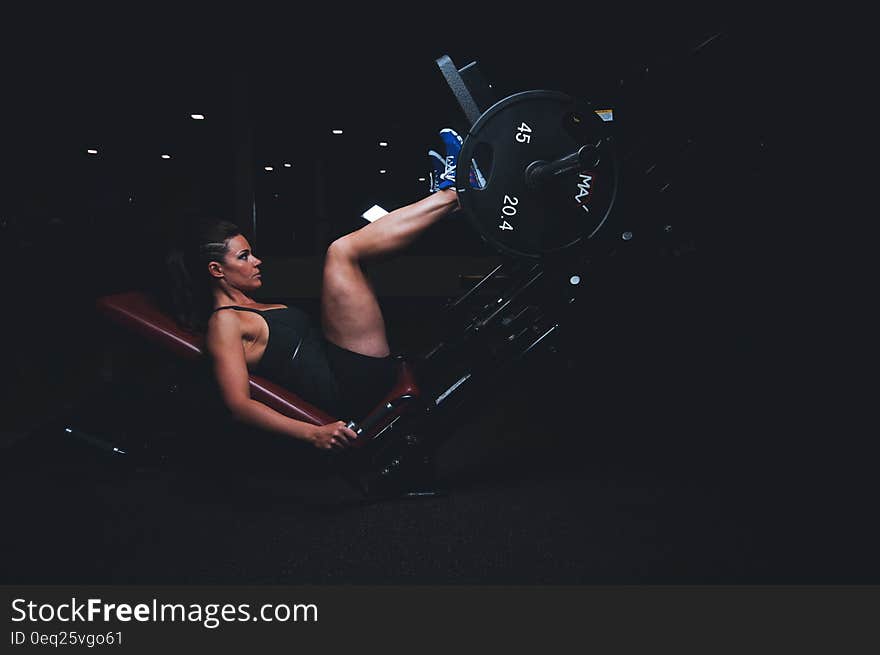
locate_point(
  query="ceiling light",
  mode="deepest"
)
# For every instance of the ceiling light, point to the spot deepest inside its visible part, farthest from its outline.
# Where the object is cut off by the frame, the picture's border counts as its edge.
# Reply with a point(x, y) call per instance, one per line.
point(286, 165)
point(198, 117)
point(166, 156)
point(383, 171)
point(421, 179)
point(268, 168)
point(92, 151)
point(337, 131)
point(384, 144)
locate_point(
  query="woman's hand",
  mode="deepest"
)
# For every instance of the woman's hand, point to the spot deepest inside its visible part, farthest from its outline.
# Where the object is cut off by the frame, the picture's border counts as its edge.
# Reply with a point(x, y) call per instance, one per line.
point(332, 436)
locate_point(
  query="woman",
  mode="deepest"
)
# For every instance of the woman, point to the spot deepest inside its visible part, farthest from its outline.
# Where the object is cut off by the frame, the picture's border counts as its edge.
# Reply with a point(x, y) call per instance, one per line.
point(347, 368)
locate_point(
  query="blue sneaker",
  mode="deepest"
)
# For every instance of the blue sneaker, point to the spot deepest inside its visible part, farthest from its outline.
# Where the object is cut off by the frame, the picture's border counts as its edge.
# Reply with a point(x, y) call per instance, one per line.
point(453, 142)
point(438, 166)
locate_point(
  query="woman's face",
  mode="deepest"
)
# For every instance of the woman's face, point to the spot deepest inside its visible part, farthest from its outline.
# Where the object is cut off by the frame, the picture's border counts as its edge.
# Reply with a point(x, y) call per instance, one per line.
point(240, 267)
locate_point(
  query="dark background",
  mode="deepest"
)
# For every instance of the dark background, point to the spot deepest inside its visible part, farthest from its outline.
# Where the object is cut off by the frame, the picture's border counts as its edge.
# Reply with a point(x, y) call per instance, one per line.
point(699, 425)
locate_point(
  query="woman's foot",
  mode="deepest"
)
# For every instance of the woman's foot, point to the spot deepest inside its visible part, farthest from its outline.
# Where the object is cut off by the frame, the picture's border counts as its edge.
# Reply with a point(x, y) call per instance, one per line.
point(452, 141)
point(438, 166)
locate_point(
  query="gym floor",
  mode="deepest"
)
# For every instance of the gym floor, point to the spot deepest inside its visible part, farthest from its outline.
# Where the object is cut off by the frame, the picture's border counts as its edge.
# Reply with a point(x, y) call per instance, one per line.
point(693, 452)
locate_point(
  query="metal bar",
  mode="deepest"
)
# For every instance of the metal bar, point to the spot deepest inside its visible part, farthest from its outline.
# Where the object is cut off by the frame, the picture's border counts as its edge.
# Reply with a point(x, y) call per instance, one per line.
point(459, 89)
point(504, 303)
point(539, 340)
point(474, 288)
point(480, 89)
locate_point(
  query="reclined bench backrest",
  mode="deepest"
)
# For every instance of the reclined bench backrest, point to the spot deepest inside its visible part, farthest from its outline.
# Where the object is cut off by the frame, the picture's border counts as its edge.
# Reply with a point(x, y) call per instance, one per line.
point(136, 311)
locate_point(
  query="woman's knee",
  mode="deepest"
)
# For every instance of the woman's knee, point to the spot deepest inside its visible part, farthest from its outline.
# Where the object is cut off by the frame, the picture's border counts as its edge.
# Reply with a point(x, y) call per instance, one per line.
point(341, 264)
point(342, 250)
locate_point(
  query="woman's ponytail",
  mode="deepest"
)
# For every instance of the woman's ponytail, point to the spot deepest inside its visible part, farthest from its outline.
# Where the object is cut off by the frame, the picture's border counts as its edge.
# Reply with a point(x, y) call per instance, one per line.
point(188, 292)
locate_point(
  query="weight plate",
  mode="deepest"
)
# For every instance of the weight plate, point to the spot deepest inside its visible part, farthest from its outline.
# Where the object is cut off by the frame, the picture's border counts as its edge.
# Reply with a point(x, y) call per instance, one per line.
point(566, 208)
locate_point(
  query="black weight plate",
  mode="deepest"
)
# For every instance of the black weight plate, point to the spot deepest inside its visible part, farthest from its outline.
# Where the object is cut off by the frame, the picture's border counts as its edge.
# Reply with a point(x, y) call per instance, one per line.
point(533, 222)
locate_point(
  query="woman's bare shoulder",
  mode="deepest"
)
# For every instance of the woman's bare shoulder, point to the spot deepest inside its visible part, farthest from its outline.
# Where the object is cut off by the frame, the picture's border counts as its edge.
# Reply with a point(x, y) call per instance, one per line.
point(222, 326)
point(223, 319)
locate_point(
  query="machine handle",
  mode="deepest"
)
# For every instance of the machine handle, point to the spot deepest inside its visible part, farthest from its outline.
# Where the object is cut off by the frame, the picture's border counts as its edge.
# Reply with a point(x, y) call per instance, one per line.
point(539, 172)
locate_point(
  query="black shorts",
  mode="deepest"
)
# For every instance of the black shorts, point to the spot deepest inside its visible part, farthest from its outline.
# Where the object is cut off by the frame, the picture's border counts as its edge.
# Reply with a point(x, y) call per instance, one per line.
point(363, 380)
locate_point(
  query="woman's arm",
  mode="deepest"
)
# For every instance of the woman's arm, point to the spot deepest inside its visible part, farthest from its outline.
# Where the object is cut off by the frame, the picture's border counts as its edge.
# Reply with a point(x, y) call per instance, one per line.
point(230, 368)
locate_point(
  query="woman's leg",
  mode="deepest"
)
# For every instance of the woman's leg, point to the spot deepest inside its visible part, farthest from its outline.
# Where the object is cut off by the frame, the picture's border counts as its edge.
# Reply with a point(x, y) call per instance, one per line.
point(349, 309)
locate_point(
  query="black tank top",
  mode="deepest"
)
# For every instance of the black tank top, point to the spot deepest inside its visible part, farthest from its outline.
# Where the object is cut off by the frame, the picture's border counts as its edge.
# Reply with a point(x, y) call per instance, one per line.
point(296, 357)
